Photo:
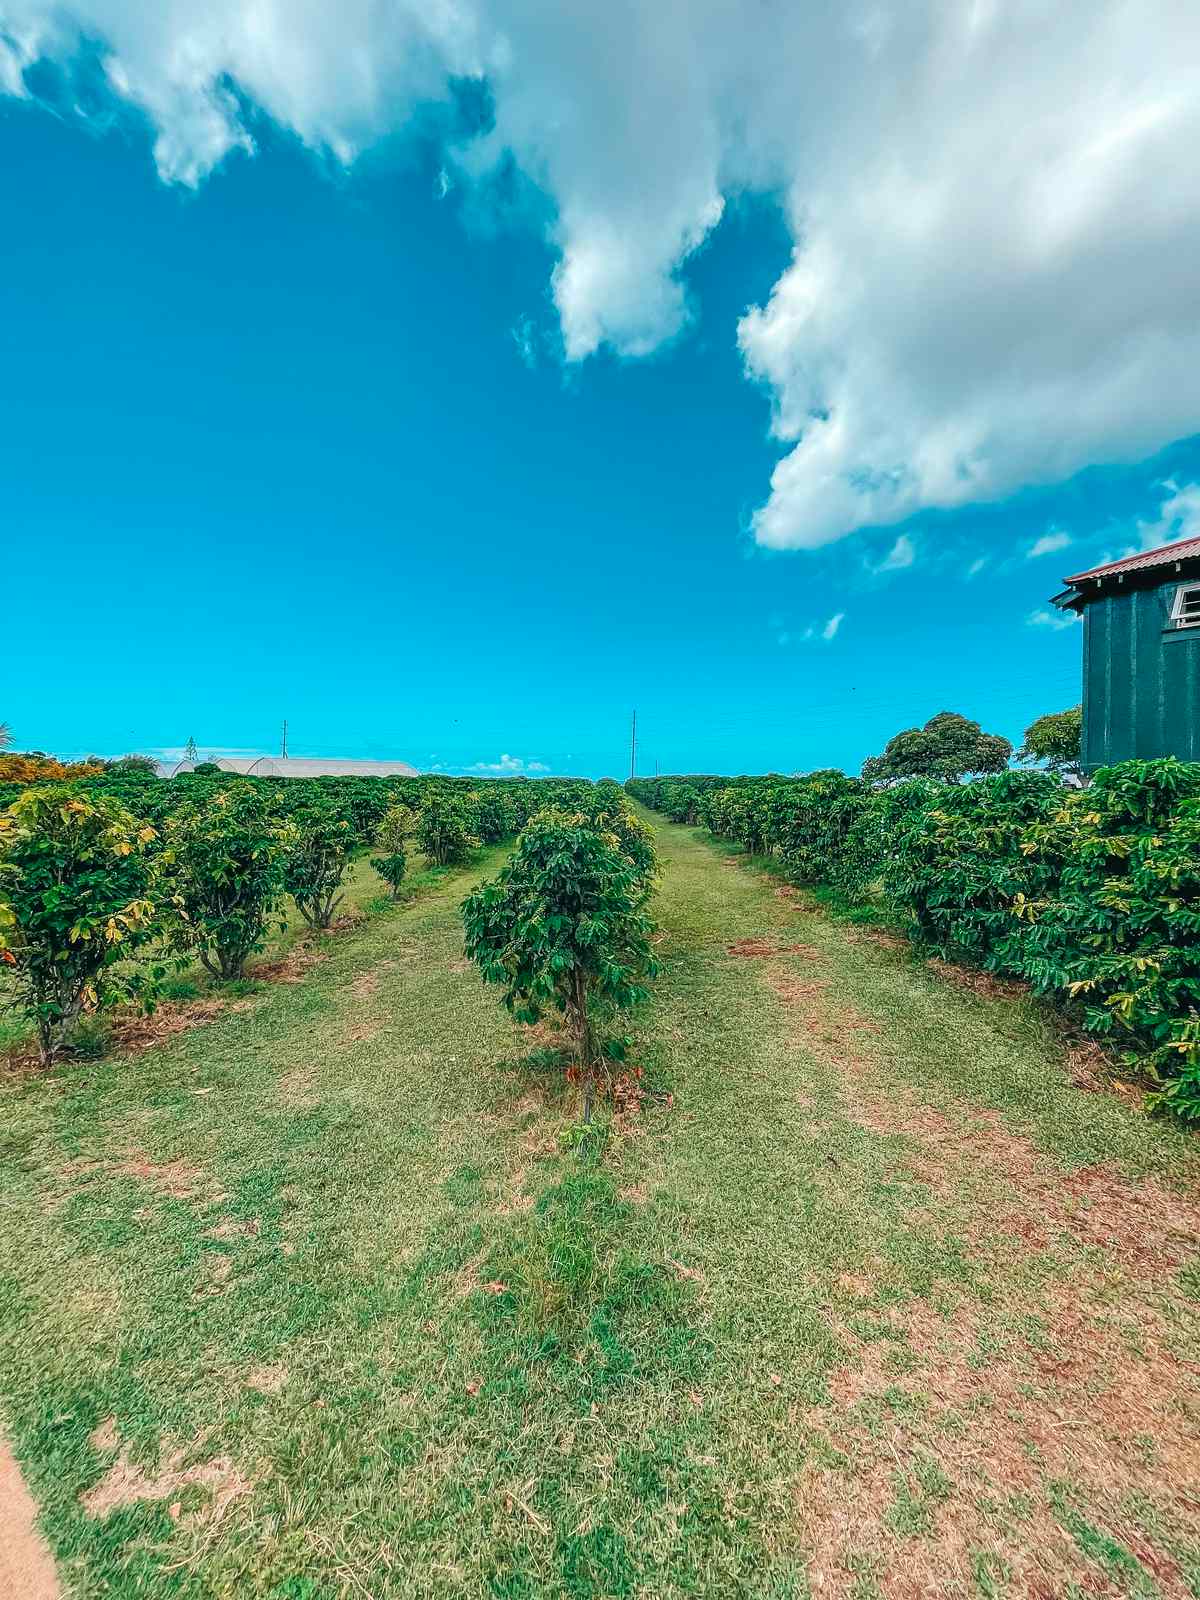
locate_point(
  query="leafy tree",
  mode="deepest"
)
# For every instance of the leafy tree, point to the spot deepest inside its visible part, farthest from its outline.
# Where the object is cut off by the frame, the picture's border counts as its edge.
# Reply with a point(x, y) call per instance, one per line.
point(76, 880)
point(394, 833)
point(564, 927)
point(1054, 741)
point(34, 766)
point(949, 747)
point(131, 764)
point(318, 853)
point(190, 752)
point(226, 858)
point(446, 827)
point(206, 769)
point(5, 735)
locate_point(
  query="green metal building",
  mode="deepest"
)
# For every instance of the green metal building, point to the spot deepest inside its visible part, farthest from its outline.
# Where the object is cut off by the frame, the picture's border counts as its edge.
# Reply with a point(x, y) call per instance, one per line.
point(1141, 655)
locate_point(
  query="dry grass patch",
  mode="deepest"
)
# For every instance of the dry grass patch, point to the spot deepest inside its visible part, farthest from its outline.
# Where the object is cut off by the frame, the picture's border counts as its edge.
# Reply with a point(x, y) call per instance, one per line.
point(298, 1088)
point(235, 1228)
point(173, 1180)
point(764, 947)
point(126, 1484)
point(267, 1379)
point(950, 1454)
point(975, 981)
point(292, 968)
point(882, 937)
point(1057, 1405)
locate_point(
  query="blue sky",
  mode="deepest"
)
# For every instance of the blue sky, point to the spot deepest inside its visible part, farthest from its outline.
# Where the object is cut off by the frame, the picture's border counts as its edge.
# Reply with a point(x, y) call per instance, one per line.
point(299, 440)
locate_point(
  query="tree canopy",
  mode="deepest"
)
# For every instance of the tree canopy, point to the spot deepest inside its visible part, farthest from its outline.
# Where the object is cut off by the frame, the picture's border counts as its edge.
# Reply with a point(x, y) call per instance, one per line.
point(950, 747)
point(1054, 741)
point(564, 928)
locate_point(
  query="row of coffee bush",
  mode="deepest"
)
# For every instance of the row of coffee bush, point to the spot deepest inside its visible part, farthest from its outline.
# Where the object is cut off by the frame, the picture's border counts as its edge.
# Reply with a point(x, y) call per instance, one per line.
point(108, 881)
point(1090, 895)
point(497, 808)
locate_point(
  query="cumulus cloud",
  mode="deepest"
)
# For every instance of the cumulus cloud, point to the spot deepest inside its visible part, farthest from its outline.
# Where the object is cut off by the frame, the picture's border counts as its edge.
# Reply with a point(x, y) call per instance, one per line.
point(1048, 544)
point(508, 766)
point(1053, 619)
point(995, 213)
point(1178, 516)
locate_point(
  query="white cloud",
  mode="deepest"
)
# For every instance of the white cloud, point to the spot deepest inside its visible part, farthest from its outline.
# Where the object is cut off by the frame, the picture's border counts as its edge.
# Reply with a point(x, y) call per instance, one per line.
point(1178, 517)
point(995, 211)
point(785, 634)
point(508, 766)
point(1048, 544)
point(524, 336)
point(1052, 619)
point(977, 566)
point(901, 555)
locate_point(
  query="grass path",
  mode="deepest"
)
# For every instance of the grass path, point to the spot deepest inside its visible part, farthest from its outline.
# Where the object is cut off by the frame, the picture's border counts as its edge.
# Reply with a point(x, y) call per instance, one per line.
point(313, 1302)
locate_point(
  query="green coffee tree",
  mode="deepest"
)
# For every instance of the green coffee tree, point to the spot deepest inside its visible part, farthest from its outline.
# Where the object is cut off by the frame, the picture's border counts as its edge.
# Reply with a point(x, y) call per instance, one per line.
point(563, 928)
point(446, 827)
point(226, 853)
point(495, 812)
point(318, 853)
point(394, 833)
point(78, 883)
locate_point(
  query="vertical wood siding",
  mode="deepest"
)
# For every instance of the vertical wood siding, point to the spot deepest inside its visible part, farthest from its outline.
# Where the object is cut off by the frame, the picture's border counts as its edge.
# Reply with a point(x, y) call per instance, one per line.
point(1141, 679)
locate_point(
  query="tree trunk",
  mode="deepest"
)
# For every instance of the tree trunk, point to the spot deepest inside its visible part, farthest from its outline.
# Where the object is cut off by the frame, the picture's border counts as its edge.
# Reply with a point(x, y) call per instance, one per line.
point(585, 1041)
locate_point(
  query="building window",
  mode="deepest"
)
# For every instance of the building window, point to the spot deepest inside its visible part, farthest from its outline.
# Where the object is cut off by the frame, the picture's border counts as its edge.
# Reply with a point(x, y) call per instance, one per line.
point(1185, 613)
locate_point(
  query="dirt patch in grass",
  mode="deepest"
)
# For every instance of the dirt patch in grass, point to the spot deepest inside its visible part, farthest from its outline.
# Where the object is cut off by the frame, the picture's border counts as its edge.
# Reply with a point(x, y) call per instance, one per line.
point(829, 1024)
point(267, 1379)
point(957, 1454)
point(133, 1034)
point(365, 1029)
point(976, 981)
point(544, 1035)
point(1069, 1406)
point(293, 967)
point(1150, 1229)
point(174, 1180)
point(367, 983)
point(235, 1228)
point(298, 1088)
point(126, 1484)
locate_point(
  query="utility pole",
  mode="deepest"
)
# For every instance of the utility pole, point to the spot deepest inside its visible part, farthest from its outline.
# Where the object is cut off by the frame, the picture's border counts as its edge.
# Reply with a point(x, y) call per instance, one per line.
point(283, 750)
point(633, 748)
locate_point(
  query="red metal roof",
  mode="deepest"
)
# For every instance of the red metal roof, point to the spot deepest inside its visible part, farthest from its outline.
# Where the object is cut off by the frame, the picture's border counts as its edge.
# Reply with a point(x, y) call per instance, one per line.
point(1166, 555)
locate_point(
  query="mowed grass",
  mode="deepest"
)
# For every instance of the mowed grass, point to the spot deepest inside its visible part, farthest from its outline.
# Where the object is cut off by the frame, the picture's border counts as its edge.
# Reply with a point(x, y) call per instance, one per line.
point(316, 1301)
